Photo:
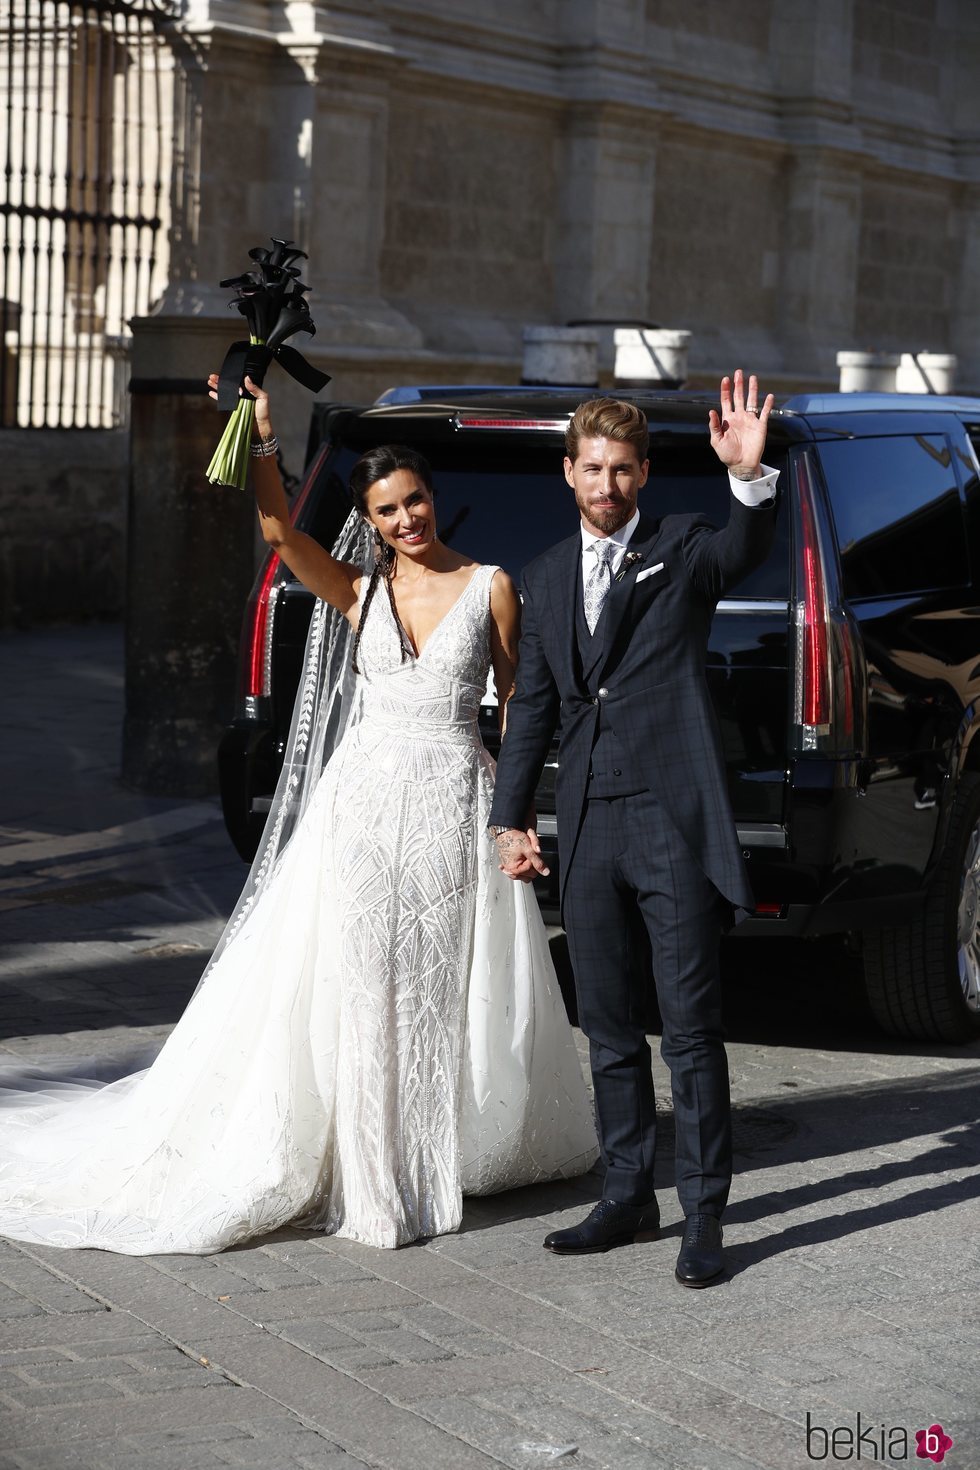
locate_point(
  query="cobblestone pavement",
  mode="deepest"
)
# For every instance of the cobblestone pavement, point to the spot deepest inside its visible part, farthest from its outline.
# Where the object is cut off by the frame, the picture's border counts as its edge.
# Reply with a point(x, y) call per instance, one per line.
point(851, 1234)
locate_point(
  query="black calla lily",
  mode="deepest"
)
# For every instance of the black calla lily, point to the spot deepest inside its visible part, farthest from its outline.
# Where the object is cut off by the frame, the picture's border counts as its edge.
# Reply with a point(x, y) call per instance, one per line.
point(272, 299)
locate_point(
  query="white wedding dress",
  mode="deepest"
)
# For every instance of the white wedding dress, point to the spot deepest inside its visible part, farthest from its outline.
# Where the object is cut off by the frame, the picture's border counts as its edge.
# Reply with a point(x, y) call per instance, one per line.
point(382, 1033)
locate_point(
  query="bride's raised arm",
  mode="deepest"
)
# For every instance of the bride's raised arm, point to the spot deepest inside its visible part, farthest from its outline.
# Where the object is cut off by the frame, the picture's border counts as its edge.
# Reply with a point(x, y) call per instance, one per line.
point(336, 582)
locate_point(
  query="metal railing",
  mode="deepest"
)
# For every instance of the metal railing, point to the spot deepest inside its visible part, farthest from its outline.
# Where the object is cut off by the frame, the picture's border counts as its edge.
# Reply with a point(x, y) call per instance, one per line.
point(85, 137)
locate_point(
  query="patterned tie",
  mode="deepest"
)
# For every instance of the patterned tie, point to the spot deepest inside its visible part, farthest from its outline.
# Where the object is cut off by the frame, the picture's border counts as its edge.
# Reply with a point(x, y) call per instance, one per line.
point(599, 581)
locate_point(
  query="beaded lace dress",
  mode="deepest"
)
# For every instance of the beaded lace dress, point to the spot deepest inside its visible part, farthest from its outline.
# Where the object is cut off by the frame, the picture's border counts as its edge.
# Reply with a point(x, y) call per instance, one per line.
point(381, 1033)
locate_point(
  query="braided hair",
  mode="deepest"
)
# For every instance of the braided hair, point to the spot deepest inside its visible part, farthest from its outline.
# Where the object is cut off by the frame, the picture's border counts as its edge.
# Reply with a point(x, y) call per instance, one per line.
point(378, 464)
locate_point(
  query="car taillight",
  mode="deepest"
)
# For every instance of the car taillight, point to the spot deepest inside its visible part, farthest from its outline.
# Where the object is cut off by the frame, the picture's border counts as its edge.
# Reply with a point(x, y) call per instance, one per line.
point(814, 671)
point(830, 675)
point(258, 632)
point(256, 660)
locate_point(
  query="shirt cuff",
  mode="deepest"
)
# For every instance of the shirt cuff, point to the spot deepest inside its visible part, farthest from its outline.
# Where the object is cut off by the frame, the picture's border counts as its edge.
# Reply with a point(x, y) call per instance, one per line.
point(755, 492)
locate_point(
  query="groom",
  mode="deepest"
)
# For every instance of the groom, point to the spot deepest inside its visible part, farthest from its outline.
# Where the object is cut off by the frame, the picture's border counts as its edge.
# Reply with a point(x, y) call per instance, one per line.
point(615, 631)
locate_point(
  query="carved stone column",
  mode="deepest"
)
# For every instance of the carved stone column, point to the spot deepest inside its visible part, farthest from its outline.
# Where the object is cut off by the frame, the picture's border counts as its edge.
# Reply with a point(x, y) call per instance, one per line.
point(820, 256)
point(966, 315)
point(604, 243)
point(812, 51)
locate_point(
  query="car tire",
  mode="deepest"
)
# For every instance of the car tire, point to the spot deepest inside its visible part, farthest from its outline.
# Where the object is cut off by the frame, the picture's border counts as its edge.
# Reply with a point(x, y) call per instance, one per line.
point(922, 978)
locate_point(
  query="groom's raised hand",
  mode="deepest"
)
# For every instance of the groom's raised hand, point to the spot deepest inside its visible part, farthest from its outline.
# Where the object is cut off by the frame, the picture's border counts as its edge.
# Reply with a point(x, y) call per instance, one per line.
point(738, 433)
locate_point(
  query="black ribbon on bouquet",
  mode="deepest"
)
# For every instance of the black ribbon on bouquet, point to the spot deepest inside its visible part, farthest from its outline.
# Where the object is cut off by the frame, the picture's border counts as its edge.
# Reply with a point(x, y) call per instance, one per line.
point(251, 359)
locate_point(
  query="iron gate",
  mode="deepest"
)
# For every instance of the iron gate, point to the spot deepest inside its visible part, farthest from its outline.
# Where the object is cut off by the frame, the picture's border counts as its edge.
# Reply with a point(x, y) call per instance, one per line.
point(85, 138)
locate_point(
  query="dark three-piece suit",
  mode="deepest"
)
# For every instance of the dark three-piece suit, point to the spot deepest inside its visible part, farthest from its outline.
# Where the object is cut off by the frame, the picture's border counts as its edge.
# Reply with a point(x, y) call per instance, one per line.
point(644, 825)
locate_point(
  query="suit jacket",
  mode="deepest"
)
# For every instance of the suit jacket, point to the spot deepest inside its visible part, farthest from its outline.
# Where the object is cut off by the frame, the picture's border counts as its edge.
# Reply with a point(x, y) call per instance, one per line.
point(649, 679)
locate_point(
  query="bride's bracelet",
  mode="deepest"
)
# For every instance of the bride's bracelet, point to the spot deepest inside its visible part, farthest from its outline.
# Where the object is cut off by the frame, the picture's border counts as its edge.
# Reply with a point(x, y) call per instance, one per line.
point(264, 448)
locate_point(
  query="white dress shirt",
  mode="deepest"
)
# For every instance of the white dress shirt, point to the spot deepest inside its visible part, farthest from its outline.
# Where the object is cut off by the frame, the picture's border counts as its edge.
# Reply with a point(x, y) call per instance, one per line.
point(749, 492)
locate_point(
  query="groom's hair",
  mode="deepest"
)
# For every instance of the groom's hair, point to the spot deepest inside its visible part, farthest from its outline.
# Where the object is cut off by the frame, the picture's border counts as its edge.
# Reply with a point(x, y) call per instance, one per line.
point(608, 418)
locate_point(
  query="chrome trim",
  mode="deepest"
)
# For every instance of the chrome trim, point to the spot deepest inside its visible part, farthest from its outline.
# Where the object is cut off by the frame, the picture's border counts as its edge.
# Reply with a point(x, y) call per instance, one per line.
point(754, 604)
point(763, 834)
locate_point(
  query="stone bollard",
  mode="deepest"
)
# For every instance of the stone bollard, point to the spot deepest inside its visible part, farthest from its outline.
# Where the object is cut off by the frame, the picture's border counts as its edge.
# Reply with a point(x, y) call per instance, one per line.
point(650, 356)
point(867, 372)
point(926, 372)
point(561, 356)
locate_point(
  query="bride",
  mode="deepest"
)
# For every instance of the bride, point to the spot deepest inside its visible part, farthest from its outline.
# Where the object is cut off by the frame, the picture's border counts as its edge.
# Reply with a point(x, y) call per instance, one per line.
point(379, 1030)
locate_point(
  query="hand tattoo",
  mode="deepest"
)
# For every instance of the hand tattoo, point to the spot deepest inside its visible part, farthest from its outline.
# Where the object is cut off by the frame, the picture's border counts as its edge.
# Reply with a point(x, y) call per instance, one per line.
point(511, 844)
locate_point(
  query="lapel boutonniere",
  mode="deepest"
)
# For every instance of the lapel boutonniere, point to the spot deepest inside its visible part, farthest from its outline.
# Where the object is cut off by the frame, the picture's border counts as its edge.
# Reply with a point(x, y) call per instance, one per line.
point(629, 560)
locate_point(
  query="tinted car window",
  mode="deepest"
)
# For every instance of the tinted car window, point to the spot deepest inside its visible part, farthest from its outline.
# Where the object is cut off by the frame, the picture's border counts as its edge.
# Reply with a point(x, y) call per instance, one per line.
point(898, 514)
point(507, 503)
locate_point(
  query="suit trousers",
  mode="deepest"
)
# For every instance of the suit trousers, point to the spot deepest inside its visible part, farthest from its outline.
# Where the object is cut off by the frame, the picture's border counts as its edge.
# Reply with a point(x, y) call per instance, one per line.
point(630, 859)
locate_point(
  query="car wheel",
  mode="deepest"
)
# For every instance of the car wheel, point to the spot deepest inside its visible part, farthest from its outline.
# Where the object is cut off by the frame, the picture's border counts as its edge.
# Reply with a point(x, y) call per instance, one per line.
point(923, 978)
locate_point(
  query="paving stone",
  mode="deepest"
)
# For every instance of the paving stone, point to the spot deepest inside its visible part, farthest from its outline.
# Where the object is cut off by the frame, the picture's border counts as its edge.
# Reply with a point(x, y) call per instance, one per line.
point(57, 1423)
point(264, 1271)
point(74, 1391)
point(357, 1297)
point(108, 1332)
point(407, 1382)
point(318, 1337)
point(74, 1371)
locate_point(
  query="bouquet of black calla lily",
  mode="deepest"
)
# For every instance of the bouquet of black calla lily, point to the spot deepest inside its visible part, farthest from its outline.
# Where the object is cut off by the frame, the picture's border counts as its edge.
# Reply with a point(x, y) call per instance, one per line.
point(272, 299)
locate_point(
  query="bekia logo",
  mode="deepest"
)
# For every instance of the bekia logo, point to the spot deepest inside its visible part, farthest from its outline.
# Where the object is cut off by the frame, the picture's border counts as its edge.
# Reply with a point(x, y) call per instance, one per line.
point(865, 1441)
point(932, 1443)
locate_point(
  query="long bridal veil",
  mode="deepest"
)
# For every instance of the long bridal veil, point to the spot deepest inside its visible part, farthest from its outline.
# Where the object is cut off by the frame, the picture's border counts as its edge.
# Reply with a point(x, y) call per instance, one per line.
point(325, 706)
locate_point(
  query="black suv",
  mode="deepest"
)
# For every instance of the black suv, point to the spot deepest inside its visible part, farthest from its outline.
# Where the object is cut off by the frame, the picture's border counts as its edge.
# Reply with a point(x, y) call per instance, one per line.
point(845, 671)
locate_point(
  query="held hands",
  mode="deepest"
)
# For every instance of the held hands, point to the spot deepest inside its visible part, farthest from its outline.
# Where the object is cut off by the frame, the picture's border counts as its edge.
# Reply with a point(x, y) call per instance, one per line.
point(263, 418)
point(738, 434)
point(520, 854)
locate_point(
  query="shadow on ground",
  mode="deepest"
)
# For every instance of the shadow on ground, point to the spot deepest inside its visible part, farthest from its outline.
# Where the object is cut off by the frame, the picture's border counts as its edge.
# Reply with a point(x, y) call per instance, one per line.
point(804, 1130)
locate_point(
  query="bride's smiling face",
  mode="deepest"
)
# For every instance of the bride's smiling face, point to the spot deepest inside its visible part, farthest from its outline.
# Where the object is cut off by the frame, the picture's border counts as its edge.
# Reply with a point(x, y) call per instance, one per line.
point(400, 507)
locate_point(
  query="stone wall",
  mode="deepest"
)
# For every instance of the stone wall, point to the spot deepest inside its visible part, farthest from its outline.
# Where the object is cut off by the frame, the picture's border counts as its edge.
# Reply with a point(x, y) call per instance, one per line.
point(63, 512)
point(468, 251)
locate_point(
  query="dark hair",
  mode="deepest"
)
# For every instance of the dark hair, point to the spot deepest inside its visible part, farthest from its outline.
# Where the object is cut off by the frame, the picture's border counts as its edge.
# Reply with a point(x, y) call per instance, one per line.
point(377, 464)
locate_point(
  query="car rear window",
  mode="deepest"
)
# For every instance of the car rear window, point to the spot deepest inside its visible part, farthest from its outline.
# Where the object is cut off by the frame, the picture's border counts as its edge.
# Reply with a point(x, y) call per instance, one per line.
point(898, 513)
point(506, 503)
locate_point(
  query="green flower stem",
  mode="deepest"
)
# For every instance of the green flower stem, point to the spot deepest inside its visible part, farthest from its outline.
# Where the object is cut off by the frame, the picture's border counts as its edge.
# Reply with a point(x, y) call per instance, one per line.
point(229, 463)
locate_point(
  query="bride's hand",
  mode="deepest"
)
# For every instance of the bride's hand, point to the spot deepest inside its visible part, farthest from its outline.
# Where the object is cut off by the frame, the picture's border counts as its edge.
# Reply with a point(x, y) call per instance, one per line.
point(263, 417)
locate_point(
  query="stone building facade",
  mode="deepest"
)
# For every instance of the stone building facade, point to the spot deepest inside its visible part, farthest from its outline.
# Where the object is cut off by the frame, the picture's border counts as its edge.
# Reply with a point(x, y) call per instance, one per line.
point(783, 178)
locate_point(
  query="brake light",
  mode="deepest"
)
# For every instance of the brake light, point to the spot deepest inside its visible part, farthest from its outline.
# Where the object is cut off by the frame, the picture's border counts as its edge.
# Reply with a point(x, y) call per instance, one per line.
point(259, 615)
point(831, 674)
point(258, 632)
point(483, 421)
point(816, 643)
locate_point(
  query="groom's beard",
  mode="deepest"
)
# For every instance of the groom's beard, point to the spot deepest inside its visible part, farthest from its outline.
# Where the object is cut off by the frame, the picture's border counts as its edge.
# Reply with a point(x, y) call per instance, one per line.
point(607, 517)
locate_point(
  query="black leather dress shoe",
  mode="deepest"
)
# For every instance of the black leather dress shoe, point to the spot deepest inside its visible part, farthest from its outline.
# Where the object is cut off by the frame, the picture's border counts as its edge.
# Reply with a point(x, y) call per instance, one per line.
point(700, 1260)
point(610, 1223)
